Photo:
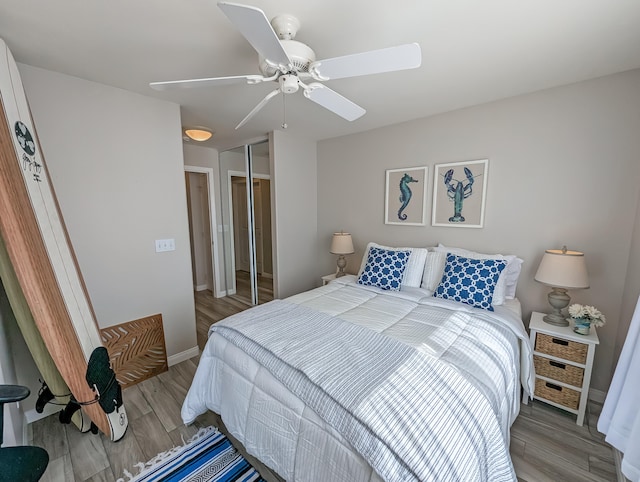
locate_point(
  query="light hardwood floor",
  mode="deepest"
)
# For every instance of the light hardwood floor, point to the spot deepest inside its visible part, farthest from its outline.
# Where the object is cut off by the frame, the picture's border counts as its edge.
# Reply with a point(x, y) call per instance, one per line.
point(546, 444)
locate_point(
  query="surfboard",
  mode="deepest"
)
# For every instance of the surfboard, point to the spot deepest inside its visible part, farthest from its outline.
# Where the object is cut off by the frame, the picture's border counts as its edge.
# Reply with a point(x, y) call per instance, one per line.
point(47, 368)
point(45, 364)
point(33, 231)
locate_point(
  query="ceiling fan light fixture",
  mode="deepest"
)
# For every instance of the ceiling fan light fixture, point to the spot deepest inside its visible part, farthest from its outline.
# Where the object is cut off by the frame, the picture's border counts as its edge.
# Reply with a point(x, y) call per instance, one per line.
point(199, 134)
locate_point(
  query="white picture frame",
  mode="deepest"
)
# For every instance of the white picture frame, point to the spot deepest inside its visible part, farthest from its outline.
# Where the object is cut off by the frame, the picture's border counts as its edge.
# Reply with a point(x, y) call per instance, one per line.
point(405, 200)
point(459, 194)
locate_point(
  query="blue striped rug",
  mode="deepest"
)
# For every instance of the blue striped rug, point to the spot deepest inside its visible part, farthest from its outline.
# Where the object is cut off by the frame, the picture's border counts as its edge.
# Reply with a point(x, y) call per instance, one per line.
point(208, 456)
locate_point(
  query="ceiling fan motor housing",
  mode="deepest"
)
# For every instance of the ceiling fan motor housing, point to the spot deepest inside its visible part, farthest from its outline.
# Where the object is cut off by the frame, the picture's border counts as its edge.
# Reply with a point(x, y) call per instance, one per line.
point(301, 56)
point(285, 26)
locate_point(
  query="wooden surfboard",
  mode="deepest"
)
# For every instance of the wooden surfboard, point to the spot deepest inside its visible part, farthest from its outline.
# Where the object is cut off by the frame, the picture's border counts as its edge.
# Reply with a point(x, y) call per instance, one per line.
point(36, 239)
point(32, 337)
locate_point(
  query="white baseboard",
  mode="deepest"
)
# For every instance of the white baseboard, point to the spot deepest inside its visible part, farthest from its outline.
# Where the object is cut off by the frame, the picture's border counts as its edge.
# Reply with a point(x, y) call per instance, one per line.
point(27, 433)
point(183, 355)
point(201, 287)
point(49, 409)
point(597, 395)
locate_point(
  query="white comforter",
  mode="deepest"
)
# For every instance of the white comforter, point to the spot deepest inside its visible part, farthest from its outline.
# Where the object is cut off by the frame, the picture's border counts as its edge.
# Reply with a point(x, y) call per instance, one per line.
point(480, 351)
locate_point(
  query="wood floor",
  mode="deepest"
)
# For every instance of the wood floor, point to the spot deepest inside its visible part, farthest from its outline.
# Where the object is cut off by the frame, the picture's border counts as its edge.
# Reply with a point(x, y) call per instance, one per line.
point(546, 444)
point(210, 310)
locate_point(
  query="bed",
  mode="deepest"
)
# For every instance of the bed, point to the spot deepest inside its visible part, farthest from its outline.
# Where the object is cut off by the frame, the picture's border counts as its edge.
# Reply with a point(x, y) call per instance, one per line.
point(354, 381)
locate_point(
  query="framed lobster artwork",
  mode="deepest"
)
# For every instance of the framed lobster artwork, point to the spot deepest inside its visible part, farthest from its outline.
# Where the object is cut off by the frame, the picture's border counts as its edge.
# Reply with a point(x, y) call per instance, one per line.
point(459, 193)
point(406, 196)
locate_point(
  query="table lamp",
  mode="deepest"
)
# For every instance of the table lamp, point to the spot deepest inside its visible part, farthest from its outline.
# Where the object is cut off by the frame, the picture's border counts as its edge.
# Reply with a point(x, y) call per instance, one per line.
point(561, 269)
point(341, 244)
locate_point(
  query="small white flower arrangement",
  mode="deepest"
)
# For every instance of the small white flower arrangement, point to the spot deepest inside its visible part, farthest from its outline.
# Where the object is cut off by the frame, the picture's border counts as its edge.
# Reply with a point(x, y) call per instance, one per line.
point(587, 313)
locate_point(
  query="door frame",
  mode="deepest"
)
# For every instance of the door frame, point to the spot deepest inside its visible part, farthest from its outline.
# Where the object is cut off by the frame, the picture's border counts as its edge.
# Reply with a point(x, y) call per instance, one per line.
point(217, 293)
point(232, 243)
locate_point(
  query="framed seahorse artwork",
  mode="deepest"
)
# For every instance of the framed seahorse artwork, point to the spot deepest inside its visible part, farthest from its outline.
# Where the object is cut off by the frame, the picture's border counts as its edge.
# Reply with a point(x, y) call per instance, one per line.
point(406, 196)
point(459, 193)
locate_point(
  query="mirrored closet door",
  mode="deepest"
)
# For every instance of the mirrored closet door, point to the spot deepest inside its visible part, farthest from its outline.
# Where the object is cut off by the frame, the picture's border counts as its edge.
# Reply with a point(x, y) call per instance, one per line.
point(245, 188)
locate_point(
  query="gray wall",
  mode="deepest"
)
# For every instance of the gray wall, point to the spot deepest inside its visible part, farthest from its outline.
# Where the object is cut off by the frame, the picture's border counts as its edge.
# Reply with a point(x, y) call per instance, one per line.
point(116, 163)
point(563, 170)
point(294, 211)
point(631, 287)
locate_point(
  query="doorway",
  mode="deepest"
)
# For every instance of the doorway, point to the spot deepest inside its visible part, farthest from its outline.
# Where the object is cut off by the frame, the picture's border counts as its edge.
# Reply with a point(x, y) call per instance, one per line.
point(202, 232)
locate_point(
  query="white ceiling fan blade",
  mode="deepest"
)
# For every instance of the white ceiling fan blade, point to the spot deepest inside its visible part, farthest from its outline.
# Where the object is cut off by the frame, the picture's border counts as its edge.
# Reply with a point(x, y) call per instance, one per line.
point(190, 83)
point(402, 57)
point(330, 99)
point(255, 110)
point(255, 27)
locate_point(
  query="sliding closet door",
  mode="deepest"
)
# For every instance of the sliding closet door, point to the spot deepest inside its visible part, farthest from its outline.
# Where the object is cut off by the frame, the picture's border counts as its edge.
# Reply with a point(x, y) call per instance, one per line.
point(246, 223)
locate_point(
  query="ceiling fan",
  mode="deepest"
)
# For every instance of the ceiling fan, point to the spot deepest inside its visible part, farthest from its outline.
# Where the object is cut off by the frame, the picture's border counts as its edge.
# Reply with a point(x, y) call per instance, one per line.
point(294, 66)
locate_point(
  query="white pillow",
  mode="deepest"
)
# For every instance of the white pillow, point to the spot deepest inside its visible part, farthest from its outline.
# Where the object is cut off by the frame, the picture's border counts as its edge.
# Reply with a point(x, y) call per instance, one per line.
point(415, 266)
point(513, 270)
point(508, 281)
point(433, 270)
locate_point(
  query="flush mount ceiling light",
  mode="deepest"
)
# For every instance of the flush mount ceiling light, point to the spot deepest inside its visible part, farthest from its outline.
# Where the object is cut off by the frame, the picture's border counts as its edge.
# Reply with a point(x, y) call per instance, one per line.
point(199, 134)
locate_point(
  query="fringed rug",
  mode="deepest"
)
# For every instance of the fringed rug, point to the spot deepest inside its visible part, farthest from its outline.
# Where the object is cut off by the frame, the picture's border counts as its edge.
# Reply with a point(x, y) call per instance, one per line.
point(208, 456)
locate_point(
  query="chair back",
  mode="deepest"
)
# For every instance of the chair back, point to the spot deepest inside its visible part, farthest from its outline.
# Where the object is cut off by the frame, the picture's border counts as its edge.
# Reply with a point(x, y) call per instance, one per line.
point(24, 463)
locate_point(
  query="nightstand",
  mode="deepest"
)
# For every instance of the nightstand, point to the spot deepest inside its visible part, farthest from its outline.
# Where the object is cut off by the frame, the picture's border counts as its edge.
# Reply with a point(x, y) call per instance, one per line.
point(563, 361)
point(327, 278)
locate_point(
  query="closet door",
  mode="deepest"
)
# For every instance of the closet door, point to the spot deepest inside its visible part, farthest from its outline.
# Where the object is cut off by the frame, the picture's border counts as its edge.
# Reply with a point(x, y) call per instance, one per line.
point(246, 223)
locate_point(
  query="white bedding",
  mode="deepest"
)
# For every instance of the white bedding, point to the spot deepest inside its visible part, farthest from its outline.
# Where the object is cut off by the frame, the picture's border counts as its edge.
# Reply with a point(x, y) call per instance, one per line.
point(287, 435)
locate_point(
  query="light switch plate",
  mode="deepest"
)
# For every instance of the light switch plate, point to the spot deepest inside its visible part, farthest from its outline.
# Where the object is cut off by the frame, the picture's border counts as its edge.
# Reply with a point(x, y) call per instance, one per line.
point(165, 245)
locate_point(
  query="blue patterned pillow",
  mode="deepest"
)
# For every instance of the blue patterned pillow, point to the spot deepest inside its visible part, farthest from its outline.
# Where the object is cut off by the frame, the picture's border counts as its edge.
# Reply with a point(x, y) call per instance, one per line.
point(470, 281)
point(384, 268)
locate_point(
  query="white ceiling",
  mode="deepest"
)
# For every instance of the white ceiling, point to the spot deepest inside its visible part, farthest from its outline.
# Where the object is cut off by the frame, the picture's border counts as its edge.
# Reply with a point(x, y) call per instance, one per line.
point(472, 52)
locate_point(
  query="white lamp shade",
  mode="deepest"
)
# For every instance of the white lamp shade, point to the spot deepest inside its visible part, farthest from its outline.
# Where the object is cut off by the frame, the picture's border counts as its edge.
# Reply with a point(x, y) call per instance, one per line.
point(563, 269)
point(341, 244)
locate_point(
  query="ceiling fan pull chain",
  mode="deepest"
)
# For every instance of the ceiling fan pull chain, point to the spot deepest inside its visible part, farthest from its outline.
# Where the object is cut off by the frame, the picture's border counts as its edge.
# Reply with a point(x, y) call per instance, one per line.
point(284, 111)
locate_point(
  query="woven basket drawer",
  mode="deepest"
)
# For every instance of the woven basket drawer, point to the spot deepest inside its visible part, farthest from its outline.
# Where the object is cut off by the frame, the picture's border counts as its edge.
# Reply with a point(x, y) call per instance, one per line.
point(558, 394)
point(563, 372)
point(566, 349)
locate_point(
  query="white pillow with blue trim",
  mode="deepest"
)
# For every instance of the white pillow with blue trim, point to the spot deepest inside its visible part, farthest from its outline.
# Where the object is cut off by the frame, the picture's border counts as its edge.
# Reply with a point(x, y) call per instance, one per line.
point(384, 268)
point(470, 281)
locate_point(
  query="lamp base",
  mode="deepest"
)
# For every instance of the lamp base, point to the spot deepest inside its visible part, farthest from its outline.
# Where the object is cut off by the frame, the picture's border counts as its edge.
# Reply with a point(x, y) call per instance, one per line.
point(554, 319)
point(558, 299)
point(342, 264)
